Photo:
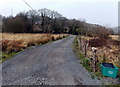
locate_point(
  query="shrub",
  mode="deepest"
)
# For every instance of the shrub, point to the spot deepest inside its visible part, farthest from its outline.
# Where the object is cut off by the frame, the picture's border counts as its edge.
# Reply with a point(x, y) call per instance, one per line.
point(16, 24)
point(86, 63)
point(4, 45)
point(98, 42)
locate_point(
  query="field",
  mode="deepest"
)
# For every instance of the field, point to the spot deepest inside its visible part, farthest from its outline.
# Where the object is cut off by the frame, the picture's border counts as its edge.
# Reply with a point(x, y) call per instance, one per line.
point(13, 43)
point(107, 49)
point(115, 37)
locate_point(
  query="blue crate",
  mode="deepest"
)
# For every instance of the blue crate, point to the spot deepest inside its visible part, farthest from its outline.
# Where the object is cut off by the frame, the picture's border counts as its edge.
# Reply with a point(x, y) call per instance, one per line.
point(108, 69)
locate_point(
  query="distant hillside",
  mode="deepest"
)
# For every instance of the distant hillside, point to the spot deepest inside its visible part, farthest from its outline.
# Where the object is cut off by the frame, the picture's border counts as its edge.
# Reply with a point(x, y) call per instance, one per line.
point(0, 18)
point(0, 23)
point(92, 26)
point(115, 29)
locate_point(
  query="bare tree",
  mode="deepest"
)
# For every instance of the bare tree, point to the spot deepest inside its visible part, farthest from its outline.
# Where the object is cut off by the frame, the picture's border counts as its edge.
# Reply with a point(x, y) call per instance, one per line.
point(47, 17)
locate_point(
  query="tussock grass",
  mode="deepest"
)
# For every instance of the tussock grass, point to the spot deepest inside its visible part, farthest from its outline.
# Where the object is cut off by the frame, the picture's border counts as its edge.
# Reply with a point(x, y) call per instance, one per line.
point(115, 37)
point(14, 43)
point(106, 48)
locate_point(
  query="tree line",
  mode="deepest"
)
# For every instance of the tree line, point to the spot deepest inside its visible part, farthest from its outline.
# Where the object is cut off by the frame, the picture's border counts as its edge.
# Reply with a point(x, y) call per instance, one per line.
point(49, 21)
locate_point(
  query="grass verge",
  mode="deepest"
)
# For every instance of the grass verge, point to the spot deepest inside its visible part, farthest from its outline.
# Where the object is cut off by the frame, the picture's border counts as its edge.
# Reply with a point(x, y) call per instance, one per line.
point(85, 61)
point(86, 64)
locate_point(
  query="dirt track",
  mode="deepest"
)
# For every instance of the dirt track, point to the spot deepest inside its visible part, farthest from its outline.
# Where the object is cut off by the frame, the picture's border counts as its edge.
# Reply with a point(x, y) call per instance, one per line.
point(51, 64)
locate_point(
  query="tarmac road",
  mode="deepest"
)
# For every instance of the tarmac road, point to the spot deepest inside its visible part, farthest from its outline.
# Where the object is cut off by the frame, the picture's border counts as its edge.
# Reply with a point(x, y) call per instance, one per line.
point(50, 64)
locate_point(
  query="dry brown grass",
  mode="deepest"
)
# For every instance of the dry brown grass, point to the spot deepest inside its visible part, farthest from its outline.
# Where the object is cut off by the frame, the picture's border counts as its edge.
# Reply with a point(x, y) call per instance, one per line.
point(108, 48)
point(115, 37)
point(17, 42)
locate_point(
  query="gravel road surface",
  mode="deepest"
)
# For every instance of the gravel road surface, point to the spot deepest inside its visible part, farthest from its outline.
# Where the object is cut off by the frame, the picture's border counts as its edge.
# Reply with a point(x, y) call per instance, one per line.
point(50, 64)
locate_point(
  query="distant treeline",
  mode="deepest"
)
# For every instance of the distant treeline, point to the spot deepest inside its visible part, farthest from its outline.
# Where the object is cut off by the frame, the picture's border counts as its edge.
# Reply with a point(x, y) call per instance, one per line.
point(48, 21)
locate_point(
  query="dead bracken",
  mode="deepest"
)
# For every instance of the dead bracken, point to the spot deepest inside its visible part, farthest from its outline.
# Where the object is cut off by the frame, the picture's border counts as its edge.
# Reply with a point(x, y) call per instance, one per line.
point(17, 42)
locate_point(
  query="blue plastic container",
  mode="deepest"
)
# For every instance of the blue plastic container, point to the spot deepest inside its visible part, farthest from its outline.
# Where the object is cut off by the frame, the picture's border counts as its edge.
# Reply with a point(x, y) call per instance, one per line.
point(108, 69)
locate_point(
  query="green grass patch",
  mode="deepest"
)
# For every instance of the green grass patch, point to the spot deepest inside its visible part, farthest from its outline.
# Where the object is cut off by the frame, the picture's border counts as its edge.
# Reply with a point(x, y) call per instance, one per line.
point(84, 61)
point(6, 56)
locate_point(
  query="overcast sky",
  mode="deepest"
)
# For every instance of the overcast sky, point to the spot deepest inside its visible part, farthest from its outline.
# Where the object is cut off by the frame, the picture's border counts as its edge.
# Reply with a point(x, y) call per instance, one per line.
point(103, 12)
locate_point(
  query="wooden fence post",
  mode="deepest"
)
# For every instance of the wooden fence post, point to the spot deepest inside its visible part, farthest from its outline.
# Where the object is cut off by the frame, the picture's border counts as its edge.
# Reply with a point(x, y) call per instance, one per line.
point(104, 58)
point(78, 43)
point(92, 64)
point(86, 46)
point(95, 58)
point(81, 42)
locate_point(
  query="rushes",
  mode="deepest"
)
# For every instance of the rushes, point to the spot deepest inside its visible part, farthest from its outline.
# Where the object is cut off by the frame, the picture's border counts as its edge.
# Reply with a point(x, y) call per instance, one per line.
point(17, 42)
